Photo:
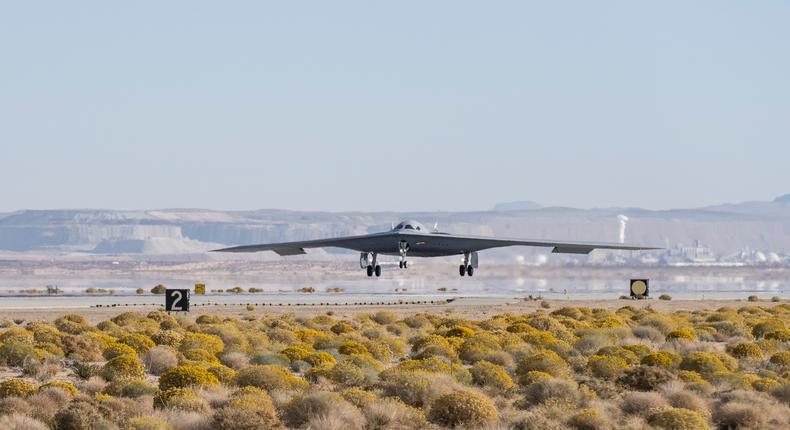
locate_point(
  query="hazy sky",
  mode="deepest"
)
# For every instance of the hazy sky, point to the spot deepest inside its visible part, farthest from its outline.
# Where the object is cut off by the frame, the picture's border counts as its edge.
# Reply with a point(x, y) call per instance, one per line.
point(372, 105)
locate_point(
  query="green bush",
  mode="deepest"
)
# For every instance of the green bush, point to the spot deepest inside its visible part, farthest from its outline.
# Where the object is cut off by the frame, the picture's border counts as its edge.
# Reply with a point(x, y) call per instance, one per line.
point(781, 358)
point(248, 408)
point(460, 331)
point(183, 399)
point(16, 354)
point(659, 359)
point(269, 377)
point(491, 375)
point(342, 327)
point(681, 334)
point(463, 409)
point(295, 353)
point(320, 358)
point(16, 387)
point(131, 388)
point(678, 419)
point(187, 376)
point(63, 385)
point(80, 415)
point(123, 366)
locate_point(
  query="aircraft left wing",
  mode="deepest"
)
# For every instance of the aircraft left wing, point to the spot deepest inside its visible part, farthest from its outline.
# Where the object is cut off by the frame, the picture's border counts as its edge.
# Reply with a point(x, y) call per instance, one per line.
point(357, 243)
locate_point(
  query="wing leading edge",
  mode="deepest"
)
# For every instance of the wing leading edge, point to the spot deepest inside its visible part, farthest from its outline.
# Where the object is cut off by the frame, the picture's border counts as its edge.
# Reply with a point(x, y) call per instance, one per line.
point(451, 244)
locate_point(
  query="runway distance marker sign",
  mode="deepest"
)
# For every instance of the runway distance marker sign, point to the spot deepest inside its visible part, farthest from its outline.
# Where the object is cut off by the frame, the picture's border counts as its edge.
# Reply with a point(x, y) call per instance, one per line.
point(177, 300)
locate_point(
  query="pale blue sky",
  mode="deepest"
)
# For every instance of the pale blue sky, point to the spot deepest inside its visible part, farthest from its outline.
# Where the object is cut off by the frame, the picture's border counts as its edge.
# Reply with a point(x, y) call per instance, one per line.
point(367, 105)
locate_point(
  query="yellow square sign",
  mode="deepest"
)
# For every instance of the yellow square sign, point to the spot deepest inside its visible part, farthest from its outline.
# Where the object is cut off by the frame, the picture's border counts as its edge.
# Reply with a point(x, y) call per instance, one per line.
point(200, 288)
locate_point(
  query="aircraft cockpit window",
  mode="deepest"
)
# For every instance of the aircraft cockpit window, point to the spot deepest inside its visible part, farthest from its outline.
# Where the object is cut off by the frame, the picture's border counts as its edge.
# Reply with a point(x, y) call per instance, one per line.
point(409, 227)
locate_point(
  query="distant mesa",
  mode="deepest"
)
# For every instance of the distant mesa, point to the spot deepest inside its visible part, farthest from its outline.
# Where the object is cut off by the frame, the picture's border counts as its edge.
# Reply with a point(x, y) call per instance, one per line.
point(522, 205)
point(785, 199)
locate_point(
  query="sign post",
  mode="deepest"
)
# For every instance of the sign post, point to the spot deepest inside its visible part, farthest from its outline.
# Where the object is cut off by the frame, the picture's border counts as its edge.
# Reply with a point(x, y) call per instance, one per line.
point(200, 288)
point(177, 300)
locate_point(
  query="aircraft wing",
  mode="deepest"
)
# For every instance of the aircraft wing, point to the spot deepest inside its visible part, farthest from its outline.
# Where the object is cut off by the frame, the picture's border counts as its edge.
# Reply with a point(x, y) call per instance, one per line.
point(477, 243)
point(358, 243)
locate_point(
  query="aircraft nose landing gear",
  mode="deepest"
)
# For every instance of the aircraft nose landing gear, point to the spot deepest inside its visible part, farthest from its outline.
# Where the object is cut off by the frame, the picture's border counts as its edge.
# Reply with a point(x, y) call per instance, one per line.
point(403, 247)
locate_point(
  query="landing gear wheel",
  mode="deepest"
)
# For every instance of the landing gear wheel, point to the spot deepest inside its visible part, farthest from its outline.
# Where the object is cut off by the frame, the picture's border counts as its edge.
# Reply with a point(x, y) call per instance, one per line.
point(400, 264)
point(370, 270)
point(470, 270)
point(405, 264)
point(378, 270)
point(462, 270)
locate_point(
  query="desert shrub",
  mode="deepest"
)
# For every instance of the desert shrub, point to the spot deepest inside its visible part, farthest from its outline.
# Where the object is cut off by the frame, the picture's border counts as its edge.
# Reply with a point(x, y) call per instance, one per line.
point(645, 378)
point(183, 399)
point(140, 342)
point(688, 400)
point(202, 341)
point(591, 342)
point(118, 349)
point(460, 331)
point(350, 347)
point(123, 366)
point(392, 414)
point(170, 338)
point(606, 367)
point(417, 321)
point(782, 335)
point(704, 363)
point(416, 389)
point(649, 333)
point(320, 358)
point(342, 327)
point(158, 289)
point(379, 350)
point(16, 354)
point(385, 317)
point(248, 408)
point(14, 405)
point(160, 359)
point(545, 361)
point(147, 423)
point(491, 375)
point(269, 377)
point(678, 419)
point(737, 415)
point(63, 385)
point(235, 360)
point(304, 408)
point(79, 415)
point(762, 329)
point(296, 353)
point(746, 350)
point(660, 359)
point(782, 393)
point(199, 356)
point(464, 409)
point(72, 324)
point(187, 376)
point(665, 297)
point(224, 374)
point(642, 403)
point(781, 358)
point(589, 419)
point(17, 421)
point(129, 388)
point(680, 334)
point(358, 396)
point(16, 387)
point(555, 390)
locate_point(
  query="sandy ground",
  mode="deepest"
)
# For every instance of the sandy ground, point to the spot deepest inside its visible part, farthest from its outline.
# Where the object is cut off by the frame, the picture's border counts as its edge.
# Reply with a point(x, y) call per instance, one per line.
point(477, 308)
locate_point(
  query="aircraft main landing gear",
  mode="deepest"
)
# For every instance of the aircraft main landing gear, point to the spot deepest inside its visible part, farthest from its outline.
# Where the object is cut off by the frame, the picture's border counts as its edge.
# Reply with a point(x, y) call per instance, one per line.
point(372, 267)
point(466, 268)
point(403, 247)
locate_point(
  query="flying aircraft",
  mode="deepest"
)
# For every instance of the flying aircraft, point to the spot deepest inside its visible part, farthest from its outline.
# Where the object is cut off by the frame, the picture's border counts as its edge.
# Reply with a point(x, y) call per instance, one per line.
point(410, 238)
